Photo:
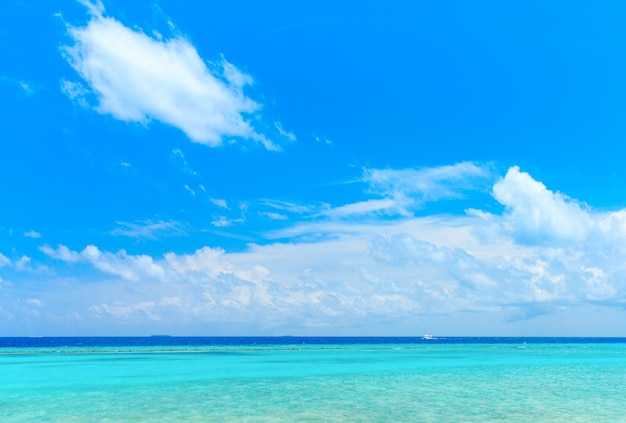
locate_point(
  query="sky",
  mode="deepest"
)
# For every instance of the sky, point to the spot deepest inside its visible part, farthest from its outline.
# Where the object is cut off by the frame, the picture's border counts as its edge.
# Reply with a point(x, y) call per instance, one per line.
point(312, 168)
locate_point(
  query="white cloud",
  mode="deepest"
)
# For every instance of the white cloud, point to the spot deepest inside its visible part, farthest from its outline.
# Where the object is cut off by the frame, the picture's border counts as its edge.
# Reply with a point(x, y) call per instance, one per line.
point(148, 229)
point(417, 186)
point(181, 161)
point(274, 216)
point(61, 253)
point(136, 78)
point(538, 215)
point(365, 207)
point(133, 268)
point(171, 301)
point(76, 92)
point(123, 311)
point(202, 284)
point(223, 222)
point(206, 261)
point(23, 264)
point(95, 7)
point(322, 140)
point(34, 302)
point(129, 267)
point(405, 190)
point(219, 202)
point(286, 134)
point(24, 86)
point(4, 260)
point(32, 234)
point(291, 207)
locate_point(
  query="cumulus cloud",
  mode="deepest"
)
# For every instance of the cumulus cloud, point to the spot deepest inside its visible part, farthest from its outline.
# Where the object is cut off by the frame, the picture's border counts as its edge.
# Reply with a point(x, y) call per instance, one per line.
point(130, 267)
point(136, 77)
point(206, 261)
point(206, 283)
point(535, 214)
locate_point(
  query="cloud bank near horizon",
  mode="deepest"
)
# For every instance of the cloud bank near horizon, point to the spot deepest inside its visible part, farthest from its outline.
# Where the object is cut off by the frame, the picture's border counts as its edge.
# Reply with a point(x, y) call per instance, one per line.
point(544, 254)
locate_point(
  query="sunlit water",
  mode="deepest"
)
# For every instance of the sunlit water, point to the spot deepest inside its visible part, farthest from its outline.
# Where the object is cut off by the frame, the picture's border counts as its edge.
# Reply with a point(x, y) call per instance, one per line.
point(290, 381)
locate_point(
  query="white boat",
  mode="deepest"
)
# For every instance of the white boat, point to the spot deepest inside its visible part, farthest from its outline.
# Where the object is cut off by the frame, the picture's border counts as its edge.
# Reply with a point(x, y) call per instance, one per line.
point(428, 337)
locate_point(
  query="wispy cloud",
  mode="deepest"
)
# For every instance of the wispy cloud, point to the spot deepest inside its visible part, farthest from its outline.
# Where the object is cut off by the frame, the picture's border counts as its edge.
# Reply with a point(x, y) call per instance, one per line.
point(286, 134)
point(25, 87)
point(223, 222)
point(179, 159)
point(365, 207)
point(34, 302)
point(403, 191)
point(291, 206)
point(32, 234)
point(274, 215)
point(76, 91)
point(136, 77)
point(149, 229)
point(322, 140)
point(219, 202)
point(418, 186)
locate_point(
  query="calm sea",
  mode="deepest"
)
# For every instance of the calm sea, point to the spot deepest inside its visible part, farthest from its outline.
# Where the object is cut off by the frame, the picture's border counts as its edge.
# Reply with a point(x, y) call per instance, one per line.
point(179, 379)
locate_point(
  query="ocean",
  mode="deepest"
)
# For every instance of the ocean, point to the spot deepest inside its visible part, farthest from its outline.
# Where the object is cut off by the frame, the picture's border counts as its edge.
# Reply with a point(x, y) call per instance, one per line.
point(255, 379)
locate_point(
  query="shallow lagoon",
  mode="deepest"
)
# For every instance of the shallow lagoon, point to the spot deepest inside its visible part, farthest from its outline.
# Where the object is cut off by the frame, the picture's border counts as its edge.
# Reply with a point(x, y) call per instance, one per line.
point(313, 379)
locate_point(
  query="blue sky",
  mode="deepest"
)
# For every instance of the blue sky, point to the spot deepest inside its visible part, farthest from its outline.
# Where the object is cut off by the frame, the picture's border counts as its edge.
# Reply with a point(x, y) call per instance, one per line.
point(312, 168)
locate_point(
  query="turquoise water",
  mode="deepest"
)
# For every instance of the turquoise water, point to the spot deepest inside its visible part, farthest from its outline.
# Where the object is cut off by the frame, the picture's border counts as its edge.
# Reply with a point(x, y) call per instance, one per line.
point(348, 382)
